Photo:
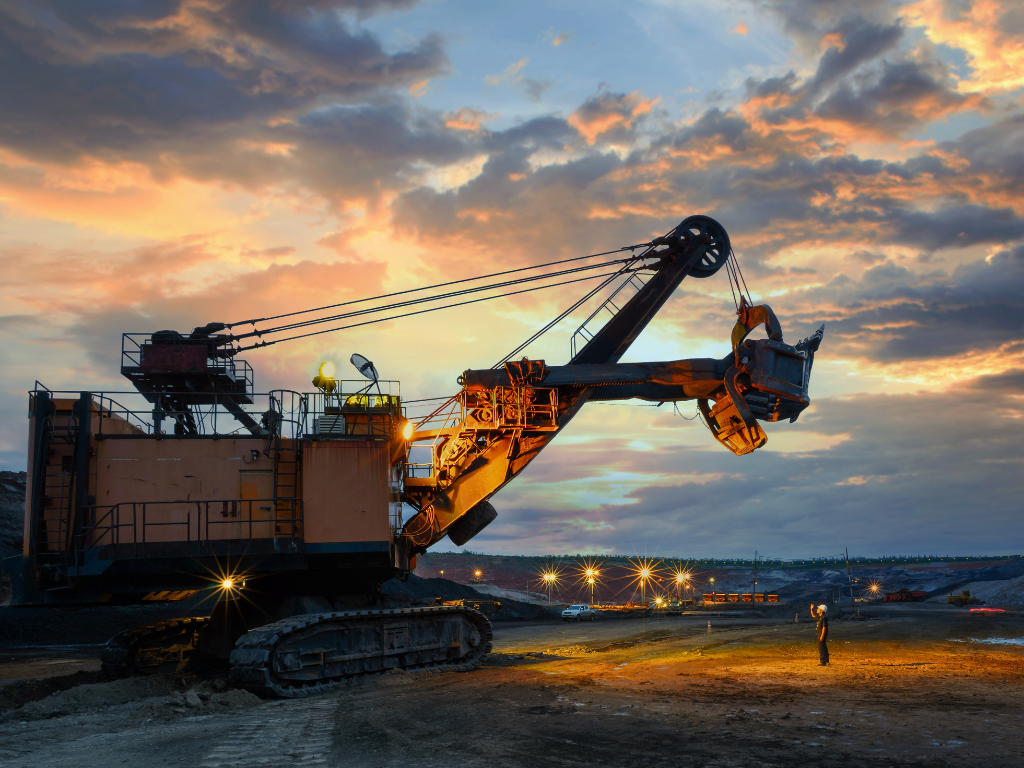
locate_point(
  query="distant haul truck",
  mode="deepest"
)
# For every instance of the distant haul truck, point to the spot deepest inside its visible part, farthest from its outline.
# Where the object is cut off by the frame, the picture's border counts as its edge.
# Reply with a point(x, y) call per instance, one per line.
point(906, 596)
point(735, 597)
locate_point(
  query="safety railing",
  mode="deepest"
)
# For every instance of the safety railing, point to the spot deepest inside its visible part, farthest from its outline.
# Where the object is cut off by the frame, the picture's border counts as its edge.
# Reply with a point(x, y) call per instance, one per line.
point(135, 346)
point(130, 415)
point(141, 523)
point(582, 335)
point(356, 409)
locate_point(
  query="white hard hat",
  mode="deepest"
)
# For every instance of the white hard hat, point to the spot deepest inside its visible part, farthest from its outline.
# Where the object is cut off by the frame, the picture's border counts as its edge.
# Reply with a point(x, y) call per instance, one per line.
point(823, 608)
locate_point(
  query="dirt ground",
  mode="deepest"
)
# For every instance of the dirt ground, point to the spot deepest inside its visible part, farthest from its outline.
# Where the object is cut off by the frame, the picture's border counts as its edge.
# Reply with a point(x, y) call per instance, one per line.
point(914, 685)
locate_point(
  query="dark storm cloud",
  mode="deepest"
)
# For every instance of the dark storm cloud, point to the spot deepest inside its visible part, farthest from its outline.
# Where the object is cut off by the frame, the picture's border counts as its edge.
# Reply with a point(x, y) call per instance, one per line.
point(891, 315)
point(911, 470)
point(995, 151)
point(807, 21)
point(955, 226)
point(895, 99)
point(110, 81)
point(862, 42)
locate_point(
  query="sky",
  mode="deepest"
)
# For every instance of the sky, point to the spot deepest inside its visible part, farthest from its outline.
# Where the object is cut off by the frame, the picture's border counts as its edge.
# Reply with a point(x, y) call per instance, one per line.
point(169, 163)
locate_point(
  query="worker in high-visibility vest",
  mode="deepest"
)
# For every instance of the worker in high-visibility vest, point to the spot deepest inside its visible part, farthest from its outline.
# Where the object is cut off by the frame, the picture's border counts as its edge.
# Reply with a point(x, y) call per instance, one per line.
point(821, 631)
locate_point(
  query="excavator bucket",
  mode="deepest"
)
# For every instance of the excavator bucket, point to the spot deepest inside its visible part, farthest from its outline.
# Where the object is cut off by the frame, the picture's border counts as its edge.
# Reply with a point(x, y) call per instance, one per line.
point(769, 381)
point(732, 425)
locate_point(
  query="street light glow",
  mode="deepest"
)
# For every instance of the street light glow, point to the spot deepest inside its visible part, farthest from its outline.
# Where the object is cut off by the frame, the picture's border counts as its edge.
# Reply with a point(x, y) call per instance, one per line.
point(644, 570)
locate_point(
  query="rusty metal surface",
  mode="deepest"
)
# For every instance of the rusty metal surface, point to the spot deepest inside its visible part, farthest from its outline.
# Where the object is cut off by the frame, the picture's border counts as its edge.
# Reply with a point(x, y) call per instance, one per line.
point(345, 491)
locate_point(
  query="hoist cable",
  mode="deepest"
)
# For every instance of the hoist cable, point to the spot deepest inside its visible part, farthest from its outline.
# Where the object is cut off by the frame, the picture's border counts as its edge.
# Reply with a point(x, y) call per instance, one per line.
point(421, 300)
point(260, 344)
point(253, 321)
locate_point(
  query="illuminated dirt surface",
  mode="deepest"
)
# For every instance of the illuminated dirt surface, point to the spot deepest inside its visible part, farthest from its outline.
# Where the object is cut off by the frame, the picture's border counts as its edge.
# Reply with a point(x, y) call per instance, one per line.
point(913, 686)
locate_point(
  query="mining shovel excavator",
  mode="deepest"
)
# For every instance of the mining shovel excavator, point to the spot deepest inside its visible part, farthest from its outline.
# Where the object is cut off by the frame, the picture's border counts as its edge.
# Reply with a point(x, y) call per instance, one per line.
point(274, 505)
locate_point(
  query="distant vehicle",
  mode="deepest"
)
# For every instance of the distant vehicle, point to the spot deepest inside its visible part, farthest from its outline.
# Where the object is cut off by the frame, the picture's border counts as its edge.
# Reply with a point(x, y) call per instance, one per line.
point(579, 613)
point(964, 598)
point(906, 596)
point(723, 597)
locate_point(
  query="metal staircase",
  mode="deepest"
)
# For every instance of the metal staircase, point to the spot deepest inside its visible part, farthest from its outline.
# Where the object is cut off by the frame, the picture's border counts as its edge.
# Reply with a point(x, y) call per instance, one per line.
point(286, 419)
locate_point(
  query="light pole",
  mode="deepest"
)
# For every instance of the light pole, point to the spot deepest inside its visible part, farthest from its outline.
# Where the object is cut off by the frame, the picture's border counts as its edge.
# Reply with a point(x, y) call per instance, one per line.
point(681, 579)
point(592, 582)
point(714, 597)
point(549, 579)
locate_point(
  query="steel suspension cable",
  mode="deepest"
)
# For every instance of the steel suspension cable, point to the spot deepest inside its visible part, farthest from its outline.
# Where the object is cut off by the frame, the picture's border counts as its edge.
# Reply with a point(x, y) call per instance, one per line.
point(253, 321)
point(421, 300)
point(260, 344)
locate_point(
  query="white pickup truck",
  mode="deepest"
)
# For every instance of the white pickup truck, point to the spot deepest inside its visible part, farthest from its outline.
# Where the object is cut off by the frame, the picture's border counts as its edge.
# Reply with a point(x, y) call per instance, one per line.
point(579, 613)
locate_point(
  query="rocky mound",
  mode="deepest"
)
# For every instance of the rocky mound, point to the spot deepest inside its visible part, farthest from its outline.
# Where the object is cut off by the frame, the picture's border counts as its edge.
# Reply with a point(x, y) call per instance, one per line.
point(150, 697)
point(423, 591)
point(12, 512)
point(998, 593)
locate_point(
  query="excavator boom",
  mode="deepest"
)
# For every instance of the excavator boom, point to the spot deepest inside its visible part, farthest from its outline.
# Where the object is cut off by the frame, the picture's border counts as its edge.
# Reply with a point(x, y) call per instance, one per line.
point(507, 415)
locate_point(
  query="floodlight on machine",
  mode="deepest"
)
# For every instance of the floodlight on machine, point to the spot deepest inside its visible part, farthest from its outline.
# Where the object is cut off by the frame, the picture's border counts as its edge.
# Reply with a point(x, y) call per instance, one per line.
point(324, 379)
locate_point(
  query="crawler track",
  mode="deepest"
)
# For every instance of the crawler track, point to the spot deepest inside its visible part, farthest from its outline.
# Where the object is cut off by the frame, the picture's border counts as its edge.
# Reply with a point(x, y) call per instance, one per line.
point(165, 646)
point(311, 654)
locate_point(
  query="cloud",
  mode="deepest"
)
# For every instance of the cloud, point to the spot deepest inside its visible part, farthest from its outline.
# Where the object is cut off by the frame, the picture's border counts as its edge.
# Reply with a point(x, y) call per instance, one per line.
point(893, 316)
point(564, 37)
point(169, 285)
point(533, 87)
point(612, 115)
point(988, 32)
point(466, 119)
point(511, 73)
point(740, 28)
point(277, 252)
point(180, 76)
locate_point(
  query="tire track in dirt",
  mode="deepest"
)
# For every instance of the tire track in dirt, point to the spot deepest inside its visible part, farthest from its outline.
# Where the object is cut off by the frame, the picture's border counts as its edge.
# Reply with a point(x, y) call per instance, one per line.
point(299, 733)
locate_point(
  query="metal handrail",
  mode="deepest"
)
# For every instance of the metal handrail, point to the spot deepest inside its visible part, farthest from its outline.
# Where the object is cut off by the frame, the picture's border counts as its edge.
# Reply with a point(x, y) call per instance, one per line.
point(102, 528)
point(349, 397)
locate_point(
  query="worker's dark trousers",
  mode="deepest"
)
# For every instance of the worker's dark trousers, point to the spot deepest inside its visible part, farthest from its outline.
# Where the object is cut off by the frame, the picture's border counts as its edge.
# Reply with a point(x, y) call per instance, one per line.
point(823, 651)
